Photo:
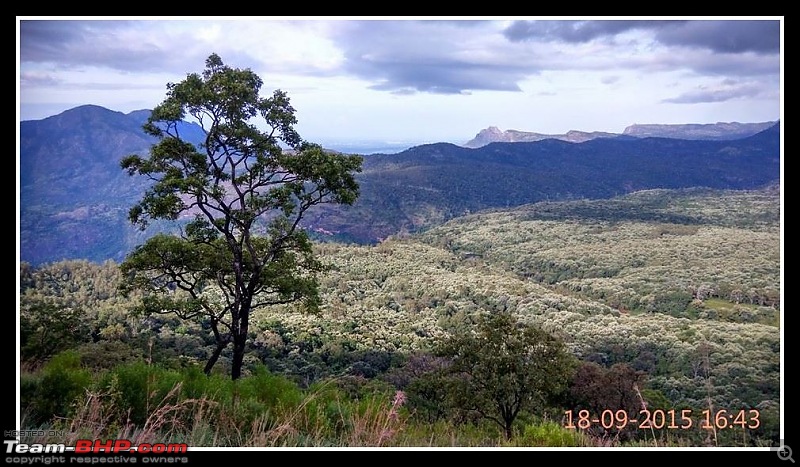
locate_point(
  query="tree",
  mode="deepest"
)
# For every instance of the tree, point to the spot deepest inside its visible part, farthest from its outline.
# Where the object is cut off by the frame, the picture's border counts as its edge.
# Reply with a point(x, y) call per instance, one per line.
point(599, 389)
point(504, 367)
point(47, 328)
point(247, 190)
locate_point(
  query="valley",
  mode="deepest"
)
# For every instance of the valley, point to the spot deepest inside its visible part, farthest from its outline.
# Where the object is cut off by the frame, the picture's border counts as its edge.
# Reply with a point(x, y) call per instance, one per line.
point(680, 286)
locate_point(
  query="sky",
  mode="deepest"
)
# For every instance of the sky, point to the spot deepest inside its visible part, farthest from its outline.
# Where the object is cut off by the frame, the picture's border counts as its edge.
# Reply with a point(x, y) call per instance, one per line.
point(417, 79)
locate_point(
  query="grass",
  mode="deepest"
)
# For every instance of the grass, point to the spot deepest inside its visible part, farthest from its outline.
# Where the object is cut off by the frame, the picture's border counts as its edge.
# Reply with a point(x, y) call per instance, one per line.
point(260, 410)
point(322, 416)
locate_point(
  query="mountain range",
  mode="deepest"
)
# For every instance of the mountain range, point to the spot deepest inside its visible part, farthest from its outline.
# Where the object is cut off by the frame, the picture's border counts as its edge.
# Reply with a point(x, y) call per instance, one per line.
point(74, 197)
point(712, 131)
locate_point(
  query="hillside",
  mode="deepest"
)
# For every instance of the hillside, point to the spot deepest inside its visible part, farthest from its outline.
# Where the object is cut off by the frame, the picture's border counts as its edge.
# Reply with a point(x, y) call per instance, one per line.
point(680, 285)
point(427, 185)
point(74, 197)
point(661, 280)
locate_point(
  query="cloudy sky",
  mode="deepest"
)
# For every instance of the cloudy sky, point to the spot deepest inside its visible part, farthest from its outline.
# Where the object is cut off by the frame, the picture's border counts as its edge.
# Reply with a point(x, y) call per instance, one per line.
point(423, 79)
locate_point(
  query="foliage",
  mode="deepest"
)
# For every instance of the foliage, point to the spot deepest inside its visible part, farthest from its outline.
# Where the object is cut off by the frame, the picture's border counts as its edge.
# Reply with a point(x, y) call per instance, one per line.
point(599, 389)
point(149, 403)
point(424, 378)
point(247, 195)
point(75, 304)
point(717, 245)
point(505, 367)
point(382, 308)
point(55, 390)
point(46, 329)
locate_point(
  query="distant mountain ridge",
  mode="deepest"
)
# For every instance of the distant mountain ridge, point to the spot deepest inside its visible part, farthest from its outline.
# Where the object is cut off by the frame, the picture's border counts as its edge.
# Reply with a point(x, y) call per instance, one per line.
point(710, 131)
point(80, 145)
point(74, 197)
point(496, 135)
point(714, 131)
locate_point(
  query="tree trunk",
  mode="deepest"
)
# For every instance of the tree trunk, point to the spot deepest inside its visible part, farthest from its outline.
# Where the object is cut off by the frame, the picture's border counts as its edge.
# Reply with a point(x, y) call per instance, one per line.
point(214, 357)
point(222, 342)
point(238, 357)
point(509, 431)
point(240, 340)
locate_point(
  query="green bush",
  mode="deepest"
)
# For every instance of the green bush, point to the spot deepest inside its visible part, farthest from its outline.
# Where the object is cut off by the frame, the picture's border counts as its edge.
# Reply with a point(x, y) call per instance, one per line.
point(104, 354)
point(139, 389)
point(269, 389)
point(53, 394)
point(197, 385)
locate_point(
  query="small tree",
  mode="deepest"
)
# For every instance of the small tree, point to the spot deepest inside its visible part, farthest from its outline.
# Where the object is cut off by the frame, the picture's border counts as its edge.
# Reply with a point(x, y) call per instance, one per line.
point(597, 389)
point(247, 189)
point(47, 327)
point(504, 367)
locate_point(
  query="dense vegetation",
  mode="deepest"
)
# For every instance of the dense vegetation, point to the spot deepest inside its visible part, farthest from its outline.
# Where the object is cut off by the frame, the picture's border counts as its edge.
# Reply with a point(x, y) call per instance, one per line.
point(666, 297)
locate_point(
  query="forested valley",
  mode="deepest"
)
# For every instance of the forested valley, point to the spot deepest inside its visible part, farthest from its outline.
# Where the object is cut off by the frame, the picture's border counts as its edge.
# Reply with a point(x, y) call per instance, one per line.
point(659, 304)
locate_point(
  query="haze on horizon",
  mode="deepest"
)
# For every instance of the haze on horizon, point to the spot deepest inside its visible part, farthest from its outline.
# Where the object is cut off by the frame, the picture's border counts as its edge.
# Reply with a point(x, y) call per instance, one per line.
point(422, 79)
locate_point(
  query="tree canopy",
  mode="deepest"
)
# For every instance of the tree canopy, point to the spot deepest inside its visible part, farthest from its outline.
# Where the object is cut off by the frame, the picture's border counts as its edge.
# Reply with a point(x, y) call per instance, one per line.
point(504, 367)
point(244, 191)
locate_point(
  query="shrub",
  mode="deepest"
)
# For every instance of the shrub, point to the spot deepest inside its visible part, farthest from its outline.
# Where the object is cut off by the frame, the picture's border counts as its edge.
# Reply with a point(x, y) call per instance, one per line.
point(52, 395)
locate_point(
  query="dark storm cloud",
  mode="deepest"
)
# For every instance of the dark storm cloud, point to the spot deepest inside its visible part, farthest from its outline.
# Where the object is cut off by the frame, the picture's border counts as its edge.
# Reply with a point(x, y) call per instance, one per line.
point(124, 45)
point(95, 43)
point(737, 36)
point(575, 31)
point(430, 56)
point(412, 56)
point(723, 36)
point(439, 78)
point(462, 56)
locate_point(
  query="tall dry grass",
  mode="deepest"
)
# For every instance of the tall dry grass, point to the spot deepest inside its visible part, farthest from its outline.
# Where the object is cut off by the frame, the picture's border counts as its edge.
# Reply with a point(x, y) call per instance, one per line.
point(374, 422)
